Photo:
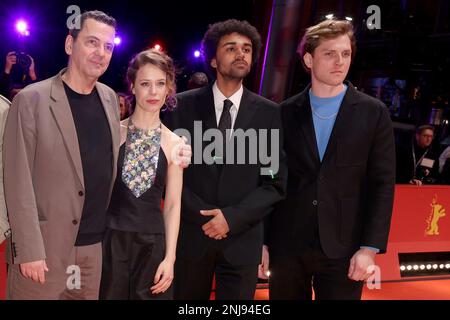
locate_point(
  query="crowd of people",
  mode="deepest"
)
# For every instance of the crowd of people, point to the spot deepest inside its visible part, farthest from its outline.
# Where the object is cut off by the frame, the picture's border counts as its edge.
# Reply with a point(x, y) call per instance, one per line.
point(104, 183)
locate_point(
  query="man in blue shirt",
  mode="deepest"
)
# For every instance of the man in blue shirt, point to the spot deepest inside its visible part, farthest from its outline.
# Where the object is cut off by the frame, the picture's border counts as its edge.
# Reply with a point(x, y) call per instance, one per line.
point(341, 164)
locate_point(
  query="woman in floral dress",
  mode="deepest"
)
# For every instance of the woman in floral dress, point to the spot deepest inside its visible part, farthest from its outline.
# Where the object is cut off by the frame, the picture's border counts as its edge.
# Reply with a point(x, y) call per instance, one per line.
point(140, 243)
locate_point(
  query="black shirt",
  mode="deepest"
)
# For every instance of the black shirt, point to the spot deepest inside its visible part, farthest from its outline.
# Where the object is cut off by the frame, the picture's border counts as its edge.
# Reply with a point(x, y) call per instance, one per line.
point(95, 141)
point(143, 214)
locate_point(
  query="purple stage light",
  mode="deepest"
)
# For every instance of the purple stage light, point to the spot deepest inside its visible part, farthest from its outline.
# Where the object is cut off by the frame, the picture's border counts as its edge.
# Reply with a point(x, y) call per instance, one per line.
point(197, 53)
point(22, 27)
point(117, 41)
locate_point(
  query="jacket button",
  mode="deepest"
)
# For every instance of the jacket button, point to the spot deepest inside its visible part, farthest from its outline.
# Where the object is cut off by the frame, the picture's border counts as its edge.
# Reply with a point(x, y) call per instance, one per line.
point(80, 193)
point(75, 222)
point(314, 202)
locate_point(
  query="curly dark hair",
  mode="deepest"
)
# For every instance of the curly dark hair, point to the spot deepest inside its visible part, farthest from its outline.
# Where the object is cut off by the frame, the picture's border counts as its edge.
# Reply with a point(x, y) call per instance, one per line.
point(219, 29)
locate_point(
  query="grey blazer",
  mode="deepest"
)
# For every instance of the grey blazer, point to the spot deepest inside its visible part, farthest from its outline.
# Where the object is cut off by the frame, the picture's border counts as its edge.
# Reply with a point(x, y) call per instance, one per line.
point(44, 184)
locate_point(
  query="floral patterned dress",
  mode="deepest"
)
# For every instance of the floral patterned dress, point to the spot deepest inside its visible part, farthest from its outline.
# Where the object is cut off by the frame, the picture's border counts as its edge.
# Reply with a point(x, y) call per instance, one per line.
point(141, 158)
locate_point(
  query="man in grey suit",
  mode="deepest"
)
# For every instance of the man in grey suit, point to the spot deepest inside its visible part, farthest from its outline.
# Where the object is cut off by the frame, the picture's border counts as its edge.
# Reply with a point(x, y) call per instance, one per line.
point(60, 153)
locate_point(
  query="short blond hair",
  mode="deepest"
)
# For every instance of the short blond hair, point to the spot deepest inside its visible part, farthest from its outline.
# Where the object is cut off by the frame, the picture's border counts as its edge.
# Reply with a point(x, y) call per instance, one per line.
point(328, 29)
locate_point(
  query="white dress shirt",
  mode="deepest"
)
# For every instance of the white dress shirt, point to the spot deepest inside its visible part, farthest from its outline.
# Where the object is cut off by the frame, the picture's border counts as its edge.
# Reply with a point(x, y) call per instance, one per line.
point(218, 103)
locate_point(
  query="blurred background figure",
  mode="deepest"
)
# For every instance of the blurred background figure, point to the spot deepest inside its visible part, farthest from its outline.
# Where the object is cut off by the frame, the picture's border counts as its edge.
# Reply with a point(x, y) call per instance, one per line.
point(418, 161)
point(197, 80)
point(125, 105)
point(19, 72)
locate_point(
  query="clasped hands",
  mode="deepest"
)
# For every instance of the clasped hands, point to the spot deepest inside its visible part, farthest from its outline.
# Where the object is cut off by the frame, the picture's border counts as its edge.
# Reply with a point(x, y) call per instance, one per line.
point(216, 228)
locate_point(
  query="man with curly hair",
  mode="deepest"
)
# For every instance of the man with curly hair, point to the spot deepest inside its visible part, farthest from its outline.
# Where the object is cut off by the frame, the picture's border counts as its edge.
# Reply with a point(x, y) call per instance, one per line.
point(224, 203)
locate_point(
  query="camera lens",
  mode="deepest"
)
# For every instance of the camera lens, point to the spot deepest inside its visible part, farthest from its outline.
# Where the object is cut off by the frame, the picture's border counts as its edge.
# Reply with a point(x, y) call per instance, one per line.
point(23, 60)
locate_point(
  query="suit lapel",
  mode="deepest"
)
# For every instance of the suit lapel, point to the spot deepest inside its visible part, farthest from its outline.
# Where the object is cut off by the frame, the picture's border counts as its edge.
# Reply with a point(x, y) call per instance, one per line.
point(343, 119)
point(60, 108)
point(246, 111)
point(207, 114)
point(245, 114)
point(206, 108)
point(304, 116)
point(114, 124)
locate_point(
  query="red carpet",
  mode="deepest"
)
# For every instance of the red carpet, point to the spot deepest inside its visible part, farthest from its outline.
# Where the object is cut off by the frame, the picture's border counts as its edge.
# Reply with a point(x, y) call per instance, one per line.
point(410, 290)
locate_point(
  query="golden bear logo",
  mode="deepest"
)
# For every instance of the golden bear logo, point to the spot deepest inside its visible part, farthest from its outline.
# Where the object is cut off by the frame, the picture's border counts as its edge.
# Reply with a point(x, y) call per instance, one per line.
point(437, 212)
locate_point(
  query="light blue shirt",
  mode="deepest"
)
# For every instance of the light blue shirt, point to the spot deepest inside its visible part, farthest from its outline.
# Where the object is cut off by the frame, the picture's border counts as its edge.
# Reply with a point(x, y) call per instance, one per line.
point(324, 113)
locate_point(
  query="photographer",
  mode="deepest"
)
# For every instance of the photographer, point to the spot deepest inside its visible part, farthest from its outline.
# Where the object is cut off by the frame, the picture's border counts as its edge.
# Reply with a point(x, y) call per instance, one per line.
point(18, 73)
point(418, 163)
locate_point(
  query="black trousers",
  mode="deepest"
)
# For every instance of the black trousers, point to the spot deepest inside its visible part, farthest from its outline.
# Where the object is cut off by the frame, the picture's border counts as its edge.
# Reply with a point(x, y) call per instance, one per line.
point(193, 278)
point(130, 261)
point(294, 277)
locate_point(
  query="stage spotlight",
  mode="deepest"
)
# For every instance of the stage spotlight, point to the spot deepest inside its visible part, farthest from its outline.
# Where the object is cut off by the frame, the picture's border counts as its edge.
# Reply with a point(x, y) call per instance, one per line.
point(409, 268)
point(22, 27)
point(447, 266)
point(441, 266)
point(350, 19)
point(197, 53)
point(435, 266)
point(429, 267)
point(157, 47)
point(402, 268)
point(422, 267)
point(416, 267)
point(117, 41)
point(268, 273)
point(329, 16)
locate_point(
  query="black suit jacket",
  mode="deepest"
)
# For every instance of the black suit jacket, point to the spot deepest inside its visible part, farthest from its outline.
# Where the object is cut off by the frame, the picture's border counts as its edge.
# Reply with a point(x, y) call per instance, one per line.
point(239, 190)
point(347, 198)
